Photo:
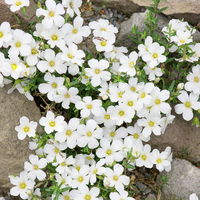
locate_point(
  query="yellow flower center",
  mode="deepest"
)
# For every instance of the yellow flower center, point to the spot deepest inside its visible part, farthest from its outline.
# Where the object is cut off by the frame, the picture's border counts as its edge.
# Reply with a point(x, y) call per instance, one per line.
point(68, 132)
point(112, 134)
point(18, 44)
point(120, 94)
point(51, 13)
point(89, 133)
point(131, 64)
point(143, 95)
point(75, 30)
point(22, 185)
point(26, 129)
point(18, 3)
point(121, 113)
point(157, 101)
point(78, 168)
point(66, 197)
point(109, 152)
point(70, 56)
point(106, 116)
point(57, 150)
point(144, 157)
point(87, 197)
point(54, 85)
point(130, 103)
point(151, 123)
point(95, 171)
point(54, 37)
point(103, 29)
point(52, 123)
point(52, 63)
point(182, 41)
point(136, 136)
point(34, 51)
point(155, 55)
point(115, 178)
point(89, 106)
point(133, 89)
point(159, 160)
point(196, 79)
point(187, 104)
point(103, 43)
point(1, 34)
point(80, 179)
point(67, 95)
point(97, 71)
point(35, 167)
point(71, 4)
point(14, 66)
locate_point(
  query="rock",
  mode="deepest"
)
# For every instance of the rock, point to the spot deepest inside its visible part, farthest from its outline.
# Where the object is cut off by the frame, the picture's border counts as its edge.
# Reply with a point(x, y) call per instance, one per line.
point(13, 152)
point(7, 15)
point(182, 137)
point(138, 20)
point(151, 197)
point(187, 9)
point(183, 180)
point(126, 6)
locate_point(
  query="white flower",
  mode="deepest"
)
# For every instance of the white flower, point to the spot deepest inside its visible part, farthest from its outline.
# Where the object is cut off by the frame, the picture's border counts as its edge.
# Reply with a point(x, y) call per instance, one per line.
point(52, 15)
point(189, 102)
point(52, 123)
point(106, 117)
point(5, 34)
point(20, 43)
point(89, 106)
point(119, 196)
point(116, 53)
point(95, 170)
point(102, 28)
point(52, 62)
point(193, 196)
point(145, 157)
point(134, 86)
point(16, 5)
point(160, 159)
point(111, 133)
point(111, 152)
point(193, 78)
point(89, 134)
point(86, 193)
point(128, 63)
point(54, 152)
point(151, 124)
point(144, 93)
point(103, 44)
point(67, 96)
point(73, 55)
point(72, 6)
point(23, 185)
point(182, 37)
point(52, 86)
point(69, 133)
point(34, 167)
point(97, 71)
point(115, 178)
point(68, 195)
point(153, 72)
point(54, 36)
point(123, 114)
point(32, 59)
point(80, 177)
point(75, 33)
point(26, 128)
point(143, 48)
point(158, 98)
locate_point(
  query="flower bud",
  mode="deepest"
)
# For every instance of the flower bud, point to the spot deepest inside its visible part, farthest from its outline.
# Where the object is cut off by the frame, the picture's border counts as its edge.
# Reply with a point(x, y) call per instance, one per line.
point(180, 86)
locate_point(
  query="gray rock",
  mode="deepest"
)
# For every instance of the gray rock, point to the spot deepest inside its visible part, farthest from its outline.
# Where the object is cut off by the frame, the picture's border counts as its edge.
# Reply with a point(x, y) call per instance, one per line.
point(138, 20)
point(7, 15)
point(13, 152)
point(151, 197)
point(182, 137)
point(183, 180)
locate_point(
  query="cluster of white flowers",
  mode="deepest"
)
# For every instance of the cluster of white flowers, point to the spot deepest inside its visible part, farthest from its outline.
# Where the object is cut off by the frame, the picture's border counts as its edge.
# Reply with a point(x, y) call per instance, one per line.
point(16, 5)
point(110, 111)
point(108, 147)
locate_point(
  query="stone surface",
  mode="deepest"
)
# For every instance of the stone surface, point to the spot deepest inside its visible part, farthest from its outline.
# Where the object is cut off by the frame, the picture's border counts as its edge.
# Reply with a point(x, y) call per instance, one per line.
point(13, 152)
point(138, 20)
point(187, 9)
point(183, 180)
point(7, 15)
point(151, 197)
point(182, 137)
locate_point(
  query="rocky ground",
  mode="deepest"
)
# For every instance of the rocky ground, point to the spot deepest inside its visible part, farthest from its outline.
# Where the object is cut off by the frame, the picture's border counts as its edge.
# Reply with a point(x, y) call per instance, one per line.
point(184, 139)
